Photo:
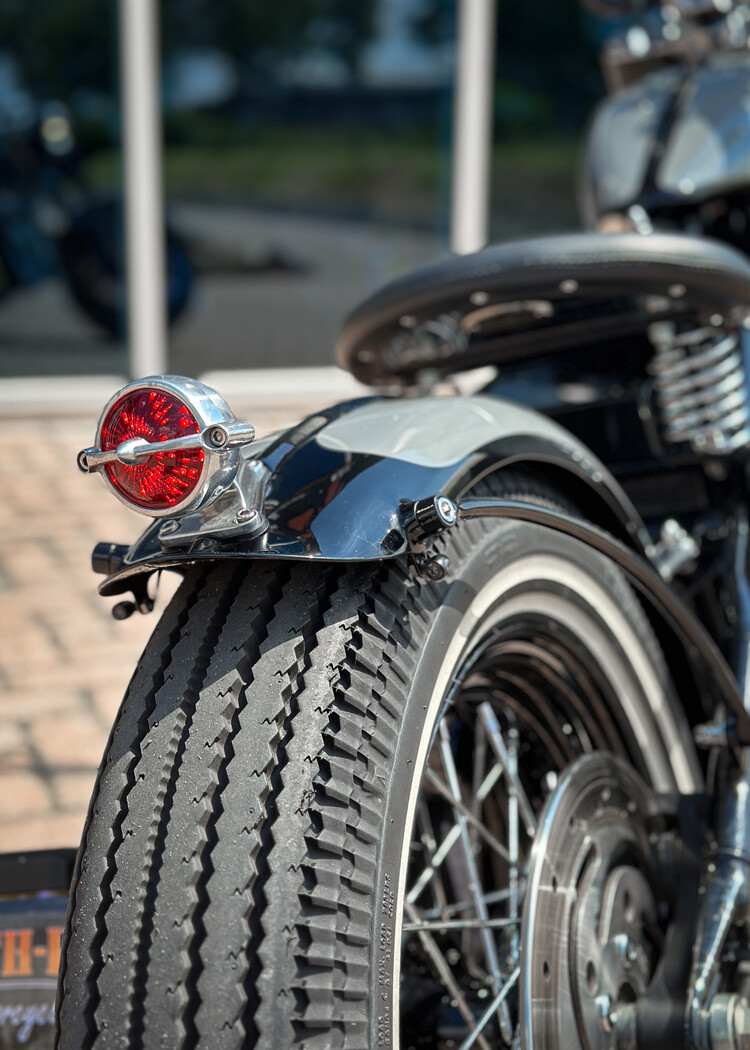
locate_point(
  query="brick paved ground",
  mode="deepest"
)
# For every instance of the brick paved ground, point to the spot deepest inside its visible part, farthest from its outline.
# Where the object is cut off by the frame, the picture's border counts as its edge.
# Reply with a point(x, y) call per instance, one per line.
point(64, 662)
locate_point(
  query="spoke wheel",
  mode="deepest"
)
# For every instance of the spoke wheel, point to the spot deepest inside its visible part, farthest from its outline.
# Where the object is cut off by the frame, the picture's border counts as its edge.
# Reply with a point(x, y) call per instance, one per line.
point(314, 825)
point(527, 704)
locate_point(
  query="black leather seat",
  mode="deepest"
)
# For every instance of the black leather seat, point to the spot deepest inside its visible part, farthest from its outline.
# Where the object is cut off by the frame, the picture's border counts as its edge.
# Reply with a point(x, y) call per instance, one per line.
point(530, 297)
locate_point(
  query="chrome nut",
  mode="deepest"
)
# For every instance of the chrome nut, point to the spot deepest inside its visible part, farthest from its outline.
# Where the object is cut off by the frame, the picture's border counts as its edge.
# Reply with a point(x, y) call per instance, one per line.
point(729, 1023)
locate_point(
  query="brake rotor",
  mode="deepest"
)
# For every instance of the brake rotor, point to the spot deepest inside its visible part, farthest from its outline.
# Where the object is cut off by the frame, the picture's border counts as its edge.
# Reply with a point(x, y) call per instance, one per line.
point(589, 937)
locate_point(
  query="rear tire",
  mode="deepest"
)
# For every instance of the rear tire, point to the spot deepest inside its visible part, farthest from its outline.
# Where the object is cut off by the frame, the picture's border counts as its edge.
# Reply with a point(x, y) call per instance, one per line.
point(242, 871)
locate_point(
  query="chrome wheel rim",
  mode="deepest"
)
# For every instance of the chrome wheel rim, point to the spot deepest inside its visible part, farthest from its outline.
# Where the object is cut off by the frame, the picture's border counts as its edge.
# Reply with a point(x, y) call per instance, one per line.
point(525, 703)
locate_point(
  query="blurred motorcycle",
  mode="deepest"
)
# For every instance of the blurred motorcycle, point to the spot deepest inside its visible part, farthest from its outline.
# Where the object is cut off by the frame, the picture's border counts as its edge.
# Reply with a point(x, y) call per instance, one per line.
point(670, 147)
point(444, 740)
point(51, 224)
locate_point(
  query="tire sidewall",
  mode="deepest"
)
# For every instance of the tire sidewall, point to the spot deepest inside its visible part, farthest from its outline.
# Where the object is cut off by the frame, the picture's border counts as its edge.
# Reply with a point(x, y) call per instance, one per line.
point(469, 604)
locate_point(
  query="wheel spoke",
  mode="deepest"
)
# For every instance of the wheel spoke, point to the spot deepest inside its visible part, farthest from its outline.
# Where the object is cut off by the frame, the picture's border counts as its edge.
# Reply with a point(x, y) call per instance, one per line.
point(446, 974)
point(450, 840)
point(513, 807)
point(475, 886)
point(464, 810)
point(429, 845)
point(495, 897)
point(515, 787)
point(461, 924)
point(429, 872)
point(524, 704)
point(480, 762)
point(499, 1001)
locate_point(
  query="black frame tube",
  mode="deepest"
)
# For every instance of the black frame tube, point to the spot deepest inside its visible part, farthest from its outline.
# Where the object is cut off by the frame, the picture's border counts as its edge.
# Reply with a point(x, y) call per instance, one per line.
point(687, 626)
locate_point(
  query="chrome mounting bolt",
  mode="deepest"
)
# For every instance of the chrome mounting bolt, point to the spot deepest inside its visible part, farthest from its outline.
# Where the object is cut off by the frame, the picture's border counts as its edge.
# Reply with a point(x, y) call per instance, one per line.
point(432, 515)
point(432, 568)
point(604, 1012)
point(423, 520)
point(428, 517)
point(729, 1023)
point(217, 436)
point(627, 951)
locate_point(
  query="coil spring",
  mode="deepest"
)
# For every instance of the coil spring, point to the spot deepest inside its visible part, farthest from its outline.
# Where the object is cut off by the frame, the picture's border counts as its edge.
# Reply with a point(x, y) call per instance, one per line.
point(701, 388)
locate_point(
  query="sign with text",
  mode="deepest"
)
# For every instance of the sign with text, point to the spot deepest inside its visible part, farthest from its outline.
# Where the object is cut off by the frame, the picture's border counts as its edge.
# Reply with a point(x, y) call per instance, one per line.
point(30, 932)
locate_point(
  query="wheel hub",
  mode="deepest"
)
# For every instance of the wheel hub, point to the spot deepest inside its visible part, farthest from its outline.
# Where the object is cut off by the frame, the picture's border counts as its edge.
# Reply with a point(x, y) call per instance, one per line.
point(589, 936)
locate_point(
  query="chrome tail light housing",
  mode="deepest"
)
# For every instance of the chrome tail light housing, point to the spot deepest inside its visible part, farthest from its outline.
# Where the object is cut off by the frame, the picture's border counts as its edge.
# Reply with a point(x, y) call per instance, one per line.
point(168, 446)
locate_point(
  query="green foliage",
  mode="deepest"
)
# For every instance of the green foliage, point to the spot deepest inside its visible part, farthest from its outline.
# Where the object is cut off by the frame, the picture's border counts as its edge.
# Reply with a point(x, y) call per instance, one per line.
point(544, 47)
point(360, 172)
point(546, 58)
point(547, 71)
point(61, 45)
point(247, 29)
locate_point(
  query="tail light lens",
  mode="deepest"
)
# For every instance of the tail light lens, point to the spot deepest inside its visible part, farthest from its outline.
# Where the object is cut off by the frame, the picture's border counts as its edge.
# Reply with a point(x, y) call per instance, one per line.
point(166, 479)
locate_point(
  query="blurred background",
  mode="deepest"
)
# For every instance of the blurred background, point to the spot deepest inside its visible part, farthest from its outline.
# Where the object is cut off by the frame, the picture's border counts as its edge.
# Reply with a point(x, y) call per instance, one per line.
point(306, 161)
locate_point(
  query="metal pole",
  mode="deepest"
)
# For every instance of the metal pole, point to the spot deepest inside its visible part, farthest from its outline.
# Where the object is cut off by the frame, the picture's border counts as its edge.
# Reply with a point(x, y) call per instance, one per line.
point(472, 125)
point(143, 188)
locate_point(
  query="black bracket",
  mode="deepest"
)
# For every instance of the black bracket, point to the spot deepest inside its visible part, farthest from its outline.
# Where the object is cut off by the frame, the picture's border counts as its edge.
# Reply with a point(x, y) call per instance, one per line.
point(107, 558)
point(142, 600)
point(423, 520)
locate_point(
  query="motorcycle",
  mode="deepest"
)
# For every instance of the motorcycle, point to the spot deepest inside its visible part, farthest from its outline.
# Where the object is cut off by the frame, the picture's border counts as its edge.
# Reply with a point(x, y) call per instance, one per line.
point(52, 225)
point(444, 739)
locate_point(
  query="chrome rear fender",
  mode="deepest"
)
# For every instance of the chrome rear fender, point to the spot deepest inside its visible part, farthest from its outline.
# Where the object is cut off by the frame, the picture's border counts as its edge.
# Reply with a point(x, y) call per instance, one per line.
point(334, 487)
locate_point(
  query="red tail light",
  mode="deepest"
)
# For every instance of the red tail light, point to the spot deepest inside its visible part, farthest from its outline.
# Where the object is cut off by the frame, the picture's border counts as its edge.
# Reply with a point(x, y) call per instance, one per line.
point(168, 446)
point(163, 480)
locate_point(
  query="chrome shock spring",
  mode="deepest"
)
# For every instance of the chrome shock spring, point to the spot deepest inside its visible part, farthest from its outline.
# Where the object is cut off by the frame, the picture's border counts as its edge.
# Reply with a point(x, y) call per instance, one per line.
point(701, 388)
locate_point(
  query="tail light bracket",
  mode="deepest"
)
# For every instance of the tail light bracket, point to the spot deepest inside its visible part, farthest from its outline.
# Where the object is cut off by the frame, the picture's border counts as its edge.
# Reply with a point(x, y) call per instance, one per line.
point(238, 511)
